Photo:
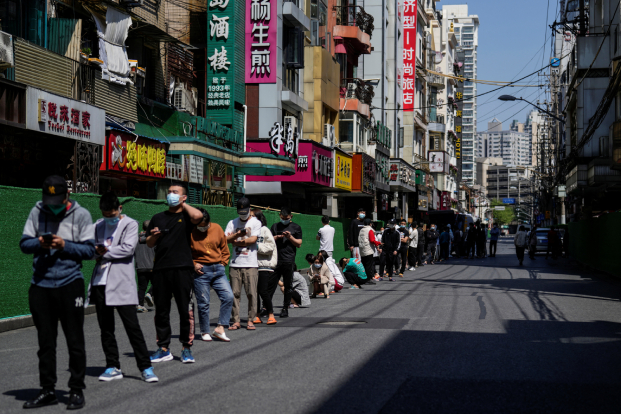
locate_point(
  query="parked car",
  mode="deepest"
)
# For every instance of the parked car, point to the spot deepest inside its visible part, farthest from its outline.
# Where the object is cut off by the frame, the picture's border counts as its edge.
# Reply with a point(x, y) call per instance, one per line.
point(542, 238)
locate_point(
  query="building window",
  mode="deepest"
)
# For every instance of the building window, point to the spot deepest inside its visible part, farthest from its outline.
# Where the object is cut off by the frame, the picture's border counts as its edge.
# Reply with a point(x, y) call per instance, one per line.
point(467, 29)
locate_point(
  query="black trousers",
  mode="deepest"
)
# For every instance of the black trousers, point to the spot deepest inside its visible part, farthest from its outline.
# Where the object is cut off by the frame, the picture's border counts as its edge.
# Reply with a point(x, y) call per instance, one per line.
point(553, 250)
point(403, 256)
point(285, 270)
point(268, 281)
point(129, 317)
point(353, 279)
point(431, 252)
point(369, 268)
point(391, 259)
point(532, 249)
point(382, 263)
point(177, 282)
point(419, 254)
point(296, 297)
point(412, 256)
point(520, 252)
point(144, 277)
point(493, 246)
point(470, 247)
point(444, 250)
point(64, 304)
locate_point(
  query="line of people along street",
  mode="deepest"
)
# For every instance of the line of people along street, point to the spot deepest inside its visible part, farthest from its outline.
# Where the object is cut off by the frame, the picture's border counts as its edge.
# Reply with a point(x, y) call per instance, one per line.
point(183, 255)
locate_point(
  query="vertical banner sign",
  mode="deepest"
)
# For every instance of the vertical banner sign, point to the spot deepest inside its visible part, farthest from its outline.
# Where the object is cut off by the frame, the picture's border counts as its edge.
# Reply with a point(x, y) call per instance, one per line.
point(261, 41)
point(459, 95)
point(221, 60)
point(409, 55)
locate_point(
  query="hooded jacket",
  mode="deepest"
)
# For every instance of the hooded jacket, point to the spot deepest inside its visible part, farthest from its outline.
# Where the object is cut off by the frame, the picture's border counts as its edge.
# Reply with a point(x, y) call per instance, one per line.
point(391, 240)
point(56, 268)
point(267, 254)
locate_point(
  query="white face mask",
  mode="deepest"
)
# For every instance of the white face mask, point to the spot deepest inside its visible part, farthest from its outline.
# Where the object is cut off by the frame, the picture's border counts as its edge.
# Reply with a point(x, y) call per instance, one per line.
point(203, 229)
point(244, 217)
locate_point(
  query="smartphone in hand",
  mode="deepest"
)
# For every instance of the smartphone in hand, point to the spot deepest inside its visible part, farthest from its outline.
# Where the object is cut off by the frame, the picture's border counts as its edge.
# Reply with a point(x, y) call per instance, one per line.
point(48, 237)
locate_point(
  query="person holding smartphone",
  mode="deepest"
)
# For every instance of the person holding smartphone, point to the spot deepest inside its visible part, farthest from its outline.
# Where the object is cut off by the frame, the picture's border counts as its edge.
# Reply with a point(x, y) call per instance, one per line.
point(288, 236)
point(59, 234)
point(243, 233)
point(170, 232)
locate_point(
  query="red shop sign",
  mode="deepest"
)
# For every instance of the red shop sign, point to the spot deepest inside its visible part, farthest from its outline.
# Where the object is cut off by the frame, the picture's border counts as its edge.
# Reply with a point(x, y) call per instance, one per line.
point(140, 156)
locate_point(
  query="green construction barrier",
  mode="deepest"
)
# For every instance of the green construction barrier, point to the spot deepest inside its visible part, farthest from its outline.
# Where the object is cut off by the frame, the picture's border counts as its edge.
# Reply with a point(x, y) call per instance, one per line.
point(16, 267)
point(595, 242)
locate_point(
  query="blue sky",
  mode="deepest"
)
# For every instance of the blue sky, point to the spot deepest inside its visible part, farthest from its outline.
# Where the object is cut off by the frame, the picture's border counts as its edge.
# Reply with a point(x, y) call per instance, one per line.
point(511, 33)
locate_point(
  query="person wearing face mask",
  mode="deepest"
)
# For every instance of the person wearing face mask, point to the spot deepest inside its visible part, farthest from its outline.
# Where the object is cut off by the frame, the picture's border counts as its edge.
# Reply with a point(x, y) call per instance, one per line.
point(288, 237)
point(354, 231)
point(432, 242)
point(391, 240)
point(144, 256)
point(368, 245)
point(210, 252)
point(170, 232)
point(59, 234)
point(403, 248)
point(113, 286)
point(243, 233)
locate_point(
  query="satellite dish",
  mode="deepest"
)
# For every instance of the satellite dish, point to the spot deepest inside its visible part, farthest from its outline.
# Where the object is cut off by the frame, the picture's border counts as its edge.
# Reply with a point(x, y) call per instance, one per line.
point(438, 58)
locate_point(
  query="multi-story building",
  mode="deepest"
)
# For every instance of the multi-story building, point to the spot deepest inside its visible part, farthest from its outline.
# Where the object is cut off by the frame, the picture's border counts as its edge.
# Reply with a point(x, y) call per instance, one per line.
point(512, 146)
point(535, 127)
point(507, 182)
point(466, 28)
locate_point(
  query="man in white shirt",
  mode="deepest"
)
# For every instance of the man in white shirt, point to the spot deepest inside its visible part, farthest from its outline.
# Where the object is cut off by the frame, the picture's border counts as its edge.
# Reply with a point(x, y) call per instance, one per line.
point(326, 236)
point(243, 233)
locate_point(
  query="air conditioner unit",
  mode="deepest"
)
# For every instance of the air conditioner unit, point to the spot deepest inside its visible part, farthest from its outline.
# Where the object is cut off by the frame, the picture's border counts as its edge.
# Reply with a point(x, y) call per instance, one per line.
point(351, 91)
point(428, 38)
point(183, 100)
point(328, 135)
point(6, 51)
point(291, 120)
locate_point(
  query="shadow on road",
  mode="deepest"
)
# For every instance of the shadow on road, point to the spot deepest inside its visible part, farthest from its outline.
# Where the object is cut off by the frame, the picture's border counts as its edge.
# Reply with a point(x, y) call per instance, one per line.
point(535, 366)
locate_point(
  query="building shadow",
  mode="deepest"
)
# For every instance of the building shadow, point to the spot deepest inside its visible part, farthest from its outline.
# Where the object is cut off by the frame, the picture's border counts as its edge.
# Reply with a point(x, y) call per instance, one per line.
point(533, 367)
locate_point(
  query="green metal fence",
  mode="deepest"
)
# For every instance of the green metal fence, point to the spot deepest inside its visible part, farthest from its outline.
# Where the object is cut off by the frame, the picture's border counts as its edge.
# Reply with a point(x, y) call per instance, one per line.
point(16, 267)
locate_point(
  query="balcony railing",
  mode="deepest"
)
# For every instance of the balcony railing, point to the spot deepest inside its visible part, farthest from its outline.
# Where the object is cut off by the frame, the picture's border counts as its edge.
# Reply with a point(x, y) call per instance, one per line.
point(436, 81)
point(354, 88)
point(354, 16)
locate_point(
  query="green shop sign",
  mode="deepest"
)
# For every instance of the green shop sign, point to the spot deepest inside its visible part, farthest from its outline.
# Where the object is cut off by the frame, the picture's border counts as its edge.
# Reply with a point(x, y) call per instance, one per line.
point(384, 135)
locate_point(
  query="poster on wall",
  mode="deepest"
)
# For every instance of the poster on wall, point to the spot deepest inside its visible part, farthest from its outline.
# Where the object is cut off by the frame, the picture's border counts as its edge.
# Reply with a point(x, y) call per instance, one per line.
point(135, 155)
point(409, 55)
point(438, 162)
point(261, 41)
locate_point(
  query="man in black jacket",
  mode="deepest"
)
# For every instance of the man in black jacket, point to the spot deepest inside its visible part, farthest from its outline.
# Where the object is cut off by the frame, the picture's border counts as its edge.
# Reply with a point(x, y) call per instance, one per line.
point(354, 230)
point(391, 240)
point(421, 245)
point(470, 239)
point(432, 241)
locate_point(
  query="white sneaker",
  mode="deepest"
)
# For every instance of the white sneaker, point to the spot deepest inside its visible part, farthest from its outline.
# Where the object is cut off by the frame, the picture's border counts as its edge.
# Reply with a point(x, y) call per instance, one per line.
point(412, 269)
point(206, 337)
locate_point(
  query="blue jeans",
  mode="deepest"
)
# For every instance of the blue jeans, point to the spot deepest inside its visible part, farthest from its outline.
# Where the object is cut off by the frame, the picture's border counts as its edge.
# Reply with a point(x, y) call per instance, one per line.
point(213, 276)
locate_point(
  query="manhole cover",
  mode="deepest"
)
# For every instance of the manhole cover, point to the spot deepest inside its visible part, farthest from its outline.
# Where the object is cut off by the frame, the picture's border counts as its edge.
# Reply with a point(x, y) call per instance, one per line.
point(341, 323)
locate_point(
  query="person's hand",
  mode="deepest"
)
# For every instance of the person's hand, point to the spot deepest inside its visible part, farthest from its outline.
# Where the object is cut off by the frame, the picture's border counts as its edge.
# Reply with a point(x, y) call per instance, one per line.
point(57, 243)
point(101, 250)
point(394, 253)
point(278, 237)
point(287, 235)
point(199, 268)
point(156, 232)
point(45, 244)
point(351, 248)
point(380, 251)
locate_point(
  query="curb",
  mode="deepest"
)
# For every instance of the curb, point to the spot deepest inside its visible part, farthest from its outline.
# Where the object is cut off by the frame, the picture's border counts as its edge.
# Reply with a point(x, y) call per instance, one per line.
point(20, 322)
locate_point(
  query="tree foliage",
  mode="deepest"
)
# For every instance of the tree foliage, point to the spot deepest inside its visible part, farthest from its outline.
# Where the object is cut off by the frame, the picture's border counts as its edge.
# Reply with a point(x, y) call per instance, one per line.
point(505, 216)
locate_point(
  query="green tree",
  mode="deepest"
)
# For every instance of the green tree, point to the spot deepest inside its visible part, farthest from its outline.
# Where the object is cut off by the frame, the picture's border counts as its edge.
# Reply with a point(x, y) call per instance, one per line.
point(505, 216)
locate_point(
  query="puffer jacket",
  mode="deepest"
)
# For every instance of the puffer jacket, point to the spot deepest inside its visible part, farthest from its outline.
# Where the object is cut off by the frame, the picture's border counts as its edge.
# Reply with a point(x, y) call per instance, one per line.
point(267, 254)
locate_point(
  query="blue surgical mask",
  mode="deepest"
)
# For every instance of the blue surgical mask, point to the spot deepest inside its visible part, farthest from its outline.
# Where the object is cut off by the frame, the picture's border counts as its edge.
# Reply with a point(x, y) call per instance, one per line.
point(361, 216)
point(285, 222)
point(317, 265)
point(172, 199)
point(112, 221)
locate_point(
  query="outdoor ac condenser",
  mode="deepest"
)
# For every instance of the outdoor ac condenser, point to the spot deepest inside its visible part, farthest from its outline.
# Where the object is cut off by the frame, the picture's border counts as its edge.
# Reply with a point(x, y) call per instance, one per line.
point(6, 51)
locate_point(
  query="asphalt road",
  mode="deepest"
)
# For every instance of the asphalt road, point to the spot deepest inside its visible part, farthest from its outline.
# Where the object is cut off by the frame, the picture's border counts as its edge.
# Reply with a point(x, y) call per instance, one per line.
point(482, 336)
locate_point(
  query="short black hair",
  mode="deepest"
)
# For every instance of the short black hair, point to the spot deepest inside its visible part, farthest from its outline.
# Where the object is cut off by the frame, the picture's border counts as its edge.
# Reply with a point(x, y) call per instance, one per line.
point(362, 209)
point(325, 219)
point(145, 224)
point(285, 211)
point(206, 216)
point(367, 221)
point(310, 258)
point(259, 216)
point(109, 201)
point(343, 262)
point(179, 184)
point(324, 253)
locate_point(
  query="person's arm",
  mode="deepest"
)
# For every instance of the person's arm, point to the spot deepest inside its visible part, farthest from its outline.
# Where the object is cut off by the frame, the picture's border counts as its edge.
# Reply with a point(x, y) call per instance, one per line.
point(296, 242)
point(225, 253)
point(318, 237)
point(30, 243)
point(127, 246)
point(268, 244)
point(196, 216)
point(84, 247)
point(255, 232)
point(350, 234)
point(372, 238)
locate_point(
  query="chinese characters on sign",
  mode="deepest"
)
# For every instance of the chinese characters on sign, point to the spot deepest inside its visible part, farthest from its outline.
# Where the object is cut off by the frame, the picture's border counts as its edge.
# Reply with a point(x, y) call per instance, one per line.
point(286, 136)
point(342, 167)
point(323, 164)
point(57, 119)
point(438, 162)
point(219, 93)
point(260, 41)
point(303, 162)
point(139, 156)
point(409, 54)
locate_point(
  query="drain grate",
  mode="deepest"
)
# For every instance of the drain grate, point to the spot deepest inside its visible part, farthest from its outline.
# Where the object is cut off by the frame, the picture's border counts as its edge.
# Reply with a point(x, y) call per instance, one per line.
point(341, 323)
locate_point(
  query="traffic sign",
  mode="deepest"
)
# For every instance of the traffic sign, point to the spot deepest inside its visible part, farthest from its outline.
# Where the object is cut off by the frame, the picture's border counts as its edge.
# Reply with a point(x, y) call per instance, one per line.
point(499, 207)
point(555, 62)
point(508, 200)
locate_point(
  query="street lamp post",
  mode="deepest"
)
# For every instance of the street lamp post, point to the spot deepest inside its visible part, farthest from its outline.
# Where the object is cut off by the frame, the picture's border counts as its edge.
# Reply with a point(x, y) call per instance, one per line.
point(511, 98)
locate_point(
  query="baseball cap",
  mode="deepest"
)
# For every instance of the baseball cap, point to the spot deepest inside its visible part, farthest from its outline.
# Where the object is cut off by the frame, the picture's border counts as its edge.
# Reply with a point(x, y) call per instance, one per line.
point(54, 190)
point(392, 221)
point(243, 206)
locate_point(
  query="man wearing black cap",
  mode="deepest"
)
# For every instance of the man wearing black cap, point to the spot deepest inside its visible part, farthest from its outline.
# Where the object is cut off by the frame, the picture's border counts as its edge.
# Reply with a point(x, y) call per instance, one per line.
point(170, 233)
point(354, 231)
point(60, 235)
point(288, 236)
point(243, 232)
point(392, 241)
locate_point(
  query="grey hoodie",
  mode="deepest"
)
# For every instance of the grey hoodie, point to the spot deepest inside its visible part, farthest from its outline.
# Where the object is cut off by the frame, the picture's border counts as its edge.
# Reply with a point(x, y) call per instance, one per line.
point(57, 268)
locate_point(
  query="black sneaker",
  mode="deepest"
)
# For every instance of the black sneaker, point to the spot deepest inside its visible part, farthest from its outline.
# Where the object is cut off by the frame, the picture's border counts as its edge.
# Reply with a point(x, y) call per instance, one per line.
point(76, 400)
point(370, 283)
point(284, 313)
point(44, 398)
point(264, 313)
